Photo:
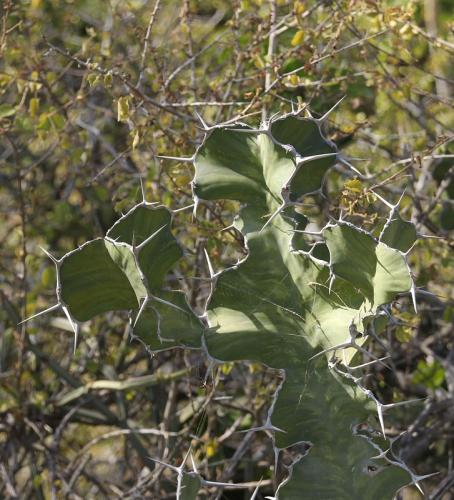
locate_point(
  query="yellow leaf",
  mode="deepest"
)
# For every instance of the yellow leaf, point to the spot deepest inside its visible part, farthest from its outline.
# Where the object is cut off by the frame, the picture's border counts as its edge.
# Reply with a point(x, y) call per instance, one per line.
point(211, 448)
point(93, 79)
point(108, 79)
point(182, 180)
point(360, 117)
point(4, 80)
point(34, 85)
point(51, 77)
point(33, 106)
point(123, 109)
point(297, 38)
point(258, 62)
point(254, 367)
point(136, 140)
point(405, 28)
point(353, 185)
point(226, 368)
point(404, 334)
point(105, 43)
point(299, 8)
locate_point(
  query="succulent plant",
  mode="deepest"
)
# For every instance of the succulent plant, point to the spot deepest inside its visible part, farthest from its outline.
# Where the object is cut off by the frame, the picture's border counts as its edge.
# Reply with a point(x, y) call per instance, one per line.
point(299, 302)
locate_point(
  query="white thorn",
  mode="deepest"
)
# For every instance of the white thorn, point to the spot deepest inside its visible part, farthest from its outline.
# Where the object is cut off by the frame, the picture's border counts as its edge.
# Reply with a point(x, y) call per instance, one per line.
point(171, 467)
point(331, 281)
point(430, 236)
point(266, 427)
point(325, 116)
point(210, 267)
point(416, 483)
point(330, 349)
point(306, 159)
point(76, 336)
point(142, 307)
point(254, 494)
point(74, 326)
point(368, 363)
point(231, 226)
point(276, 458)
point(274, 116)
point(351, 344)
point(413, 296)
point(167, 303)
point(194, 466)
point(381, 455)
point(183, 208)
point(51, 257)
point(147, 240)
point(142, 189)
point(380, 417)
point(310, 233)
point(402, 403)
point(49, 309)
point(216, 483)
point(188, 453)
point(426, 476)
point(204, 125)
point(400, 198)
point(343, 160)
point(389, 205)
point(273, 216)
point(176, 158)
point(196, 205)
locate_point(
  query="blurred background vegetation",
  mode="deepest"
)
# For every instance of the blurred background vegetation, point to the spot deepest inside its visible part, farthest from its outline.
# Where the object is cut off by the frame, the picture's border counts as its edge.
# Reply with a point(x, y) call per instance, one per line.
point(91, 92)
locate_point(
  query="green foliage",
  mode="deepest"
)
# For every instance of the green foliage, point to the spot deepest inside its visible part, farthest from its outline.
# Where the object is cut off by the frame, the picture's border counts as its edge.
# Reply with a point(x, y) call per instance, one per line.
point(431, 375)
